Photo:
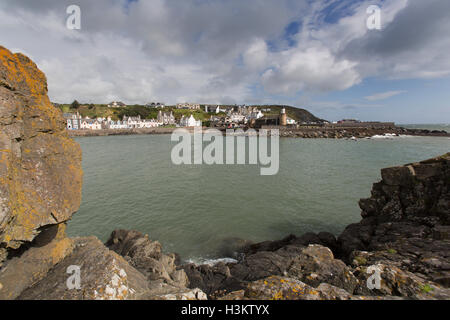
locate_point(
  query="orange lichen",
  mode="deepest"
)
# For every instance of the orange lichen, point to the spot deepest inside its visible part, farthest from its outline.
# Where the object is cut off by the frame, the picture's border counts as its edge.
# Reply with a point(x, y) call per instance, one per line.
point(44, 152)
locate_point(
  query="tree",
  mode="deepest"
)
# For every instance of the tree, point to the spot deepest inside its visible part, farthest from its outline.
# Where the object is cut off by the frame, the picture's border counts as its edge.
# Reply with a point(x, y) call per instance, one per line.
point(75, 104)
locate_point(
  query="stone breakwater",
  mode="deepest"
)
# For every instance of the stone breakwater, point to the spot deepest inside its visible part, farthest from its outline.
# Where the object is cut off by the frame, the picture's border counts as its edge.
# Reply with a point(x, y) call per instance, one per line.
point(404, 232)
point(359, 133)
point(314, 133)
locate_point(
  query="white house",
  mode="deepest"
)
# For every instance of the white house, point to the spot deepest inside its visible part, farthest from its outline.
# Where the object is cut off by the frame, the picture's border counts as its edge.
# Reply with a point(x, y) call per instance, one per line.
point(116, 104)
point(117, 124)
point(191, 106)
point(156, 105)
point(255, 114)
point(290, 121)
point(73, 121)
point(165, 118)
point(90, 124)
point(237, 118)
point(132, 122)
point(190, 122)
point(152, 123)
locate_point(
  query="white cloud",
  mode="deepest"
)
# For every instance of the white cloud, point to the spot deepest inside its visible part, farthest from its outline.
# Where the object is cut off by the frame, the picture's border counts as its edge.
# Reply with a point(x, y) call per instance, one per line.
point(220, 51)
point(383, 95)
point(255, 57)
point(313, 68)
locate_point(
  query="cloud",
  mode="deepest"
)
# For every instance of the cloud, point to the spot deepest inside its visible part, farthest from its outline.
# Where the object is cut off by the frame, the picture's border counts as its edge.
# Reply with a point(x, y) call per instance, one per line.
point(383, 95)
point(225, 51)
point(312, 69)
point(411, 45)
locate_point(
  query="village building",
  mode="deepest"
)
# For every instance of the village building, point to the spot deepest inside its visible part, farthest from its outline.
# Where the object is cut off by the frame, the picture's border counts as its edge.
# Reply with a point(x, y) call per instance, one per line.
point(219, 110)
point(155, 105)
point(132, 122)
point(290, 121)
point(116, 125)
point(90, 124)
point(237, 118)
point(73, 121)
point(209, 108)
point(190, 122)
point(165, 118)
point(189, 106)
point(116, 104)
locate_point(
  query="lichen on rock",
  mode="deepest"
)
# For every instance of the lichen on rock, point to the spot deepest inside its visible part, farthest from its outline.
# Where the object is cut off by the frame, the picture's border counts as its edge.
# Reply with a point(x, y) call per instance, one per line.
point(40, 167)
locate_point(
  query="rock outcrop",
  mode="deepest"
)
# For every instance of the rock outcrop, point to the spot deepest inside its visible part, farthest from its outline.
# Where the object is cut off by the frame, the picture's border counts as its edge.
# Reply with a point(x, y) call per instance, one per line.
point(404, 236)
point(406, 221)
point(40, 189)
point(40, 167)
point(165, 280)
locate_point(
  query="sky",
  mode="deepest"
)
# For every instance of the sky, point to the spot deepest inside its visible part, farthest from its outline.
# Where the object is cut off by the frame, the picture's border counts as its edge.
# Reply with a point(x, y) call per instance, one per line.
point(318, 55)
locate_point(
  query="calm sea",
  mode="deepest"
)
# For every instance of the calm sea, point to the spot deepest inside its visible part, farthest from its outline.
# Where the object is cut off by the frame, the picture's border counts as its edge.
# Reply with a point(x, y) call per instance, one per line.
point(130, 182)
point(440, 127)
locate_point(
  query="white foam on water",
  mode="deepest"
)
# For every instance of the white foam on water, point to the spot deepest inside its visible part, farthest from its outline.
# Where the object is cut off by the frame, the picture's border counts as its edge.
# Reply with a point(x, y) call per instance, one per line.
point(210, 262)
point(385, 136)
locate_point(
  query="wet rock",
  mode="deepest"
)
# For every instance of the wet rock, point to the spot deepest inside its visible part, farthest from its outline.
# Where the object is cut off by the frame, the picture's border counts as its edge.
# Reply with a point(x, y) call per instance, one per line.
point(313, 265)
point(213, 280)
point(232, 247)
point(147, 257)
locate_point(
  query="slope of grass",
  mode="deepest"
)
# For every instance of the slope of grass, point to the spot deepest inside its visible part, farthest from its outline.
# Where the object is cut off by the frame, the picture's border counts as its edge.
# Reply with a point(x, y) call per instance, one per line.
point(101, 110)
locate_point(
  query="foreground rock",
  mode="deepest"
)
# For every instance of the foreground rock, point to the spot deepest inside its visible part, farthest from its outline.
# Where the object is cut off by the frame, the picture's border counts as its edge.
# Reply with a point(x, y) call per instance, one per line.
point(104, 275)
point(403, 236)
point(283, 288)
point(406, 222)
point(40, 167)
point(20, 273)
point(165, 281)
point(40, 189)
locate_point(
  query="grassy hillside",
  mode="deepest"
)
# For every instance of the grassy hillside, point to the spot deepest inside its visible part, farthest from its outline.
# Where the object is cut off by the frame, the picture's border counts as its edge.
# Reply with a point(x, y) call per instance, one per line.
point(300, 115)
point(101, 110)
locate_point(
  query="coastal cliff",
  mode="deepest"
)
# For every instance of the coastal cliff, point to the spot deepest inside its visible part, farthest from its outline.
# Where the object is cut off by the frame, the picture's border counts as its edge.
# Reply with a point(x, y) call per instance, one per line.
point(40, 167)
point(404, 233)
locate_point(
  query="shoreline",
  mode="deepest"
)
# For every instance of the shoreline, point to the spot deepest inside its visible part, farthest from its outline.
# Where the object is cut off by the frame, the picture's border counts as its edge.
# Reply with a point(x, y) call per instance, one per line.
point(316, 132)
point(322, 132)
